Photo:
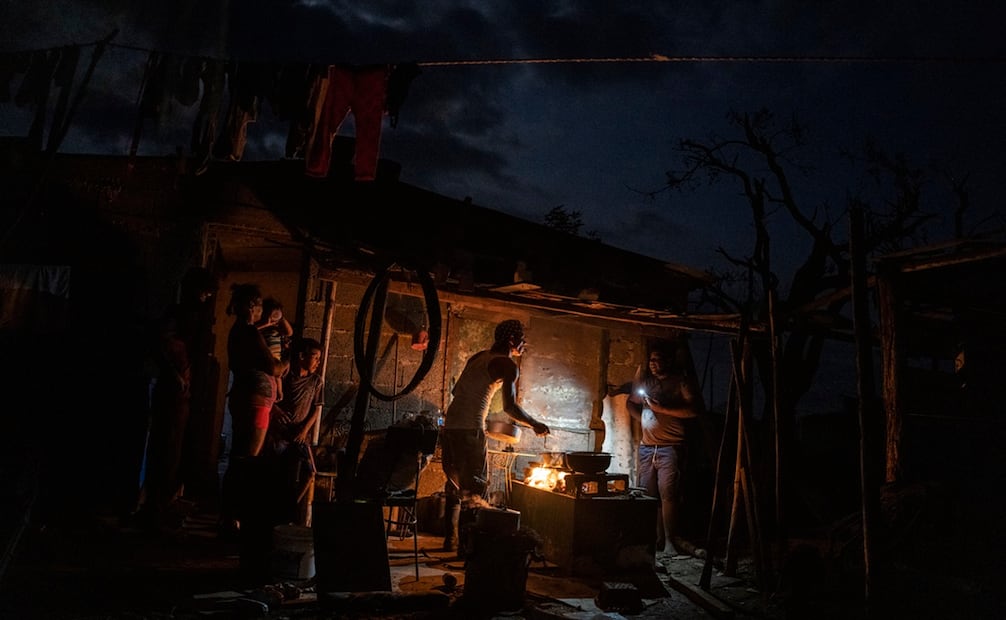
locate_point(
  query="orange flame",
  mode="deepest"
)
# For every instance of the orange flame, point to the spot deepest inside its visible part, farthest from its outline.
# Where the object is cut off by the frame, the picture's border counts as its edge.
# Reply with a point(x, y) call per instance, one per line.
point(545, 478)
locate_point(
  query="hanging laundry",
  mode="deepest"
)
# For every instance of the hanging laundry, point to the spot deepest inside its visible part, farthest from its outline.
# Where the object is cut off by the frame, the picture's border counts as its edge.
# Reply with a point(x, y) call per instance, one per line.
point(63, 80)
point(186, 90)
point(290, 101)
point(11, 64)
point(363, 91)
point(204, 129)
point(398, 87)
point(148, 99)
point(301, 136)
point(34, 91)
point(248, 83)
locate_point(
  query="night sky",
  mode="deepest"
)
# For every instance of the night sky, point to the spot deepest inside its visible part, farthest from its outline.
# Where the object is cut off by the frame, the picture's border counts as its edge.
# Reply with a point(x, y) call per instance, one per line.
point(924, 79)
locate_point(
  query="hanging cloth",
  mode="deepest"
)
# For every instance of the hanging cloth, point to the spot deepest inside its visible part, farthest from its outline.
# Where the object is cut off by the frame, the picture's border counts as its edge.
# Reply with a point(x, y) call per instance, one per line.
point(398, 87)
point(150, 98)
point(63, 80)
point(294, 91)
point(248, 83)
point(302, 135)
point(11, 64)
point(363, 91)
point(204, 129)
point(34, 91)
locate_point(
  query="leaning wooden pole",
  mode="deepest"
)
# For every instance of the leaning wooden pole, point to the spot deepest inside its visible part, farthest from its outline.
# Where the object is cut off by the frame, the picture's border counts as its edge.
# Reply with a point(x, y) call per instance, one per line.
point(327, 323)
point(780, 521)
point(750, 489)
point(705, 580)
point(739, 350)
point(865, 390)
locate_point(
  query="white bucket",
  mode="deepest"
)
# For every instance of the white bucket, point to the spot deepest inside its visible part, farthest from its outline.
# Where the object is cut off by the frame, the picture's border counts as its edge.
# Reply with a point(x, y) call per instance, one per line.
point(292, 552)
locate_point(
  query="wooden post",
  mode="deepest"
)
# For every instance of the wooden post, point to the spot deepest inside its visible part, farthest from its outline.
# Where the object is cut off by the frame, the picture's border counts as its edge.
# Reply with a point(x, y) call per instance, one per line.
point(750, 489)
point(705, 580)
point(891, 355)
point(780, 521)
point(739, 354)
point(326, 341)
point(865, 388)
point(754, 533)
point(730, 563)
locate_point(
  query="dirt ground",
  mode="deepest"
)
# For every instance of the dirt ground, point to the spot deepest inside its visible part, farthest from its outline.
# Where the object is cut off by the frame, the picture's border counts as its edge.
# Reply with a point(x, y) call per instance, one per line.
point(98, 569)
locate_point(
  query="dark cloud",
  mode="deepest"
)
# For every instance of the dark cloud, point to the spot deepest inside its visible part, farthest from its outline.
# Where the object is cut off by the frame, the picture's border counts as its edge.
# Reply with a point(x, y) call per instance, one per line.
point(527, 137)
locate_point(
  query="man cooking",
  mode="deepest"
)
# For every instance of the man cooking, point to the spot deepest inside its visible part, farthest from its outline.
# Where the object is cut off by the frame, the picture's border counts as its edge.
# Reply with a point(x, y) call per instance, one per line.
point(463, 441)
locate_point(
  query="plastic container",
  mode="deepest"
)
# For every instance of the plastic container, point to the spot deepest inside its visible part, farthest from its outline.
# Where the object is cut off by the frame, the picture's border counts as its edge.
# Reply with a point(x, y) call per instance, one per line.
point(293, 552)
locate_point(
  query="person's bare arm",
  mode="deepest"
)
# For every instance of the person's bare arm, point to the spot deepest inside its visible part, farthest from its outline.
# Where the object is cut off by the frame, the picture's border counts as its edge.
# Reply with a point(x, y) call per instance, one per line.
point(265, 359)
point(635, 401)
point(685, 404)
point(305, 428)
point(506, 369)
point(635, 408)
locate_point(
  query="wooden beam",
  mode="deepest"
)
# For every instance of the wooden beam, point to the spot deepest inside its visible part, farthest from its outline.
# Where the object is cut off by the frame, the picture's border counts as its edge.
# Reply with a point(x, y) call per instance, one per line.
point(959, 259)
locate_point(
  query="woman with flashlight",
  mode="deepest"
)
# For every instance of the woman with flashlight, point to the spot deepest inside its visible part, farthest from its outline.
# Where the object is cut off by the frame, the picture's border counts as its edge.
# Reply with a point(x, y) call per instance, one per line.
point(664, 397)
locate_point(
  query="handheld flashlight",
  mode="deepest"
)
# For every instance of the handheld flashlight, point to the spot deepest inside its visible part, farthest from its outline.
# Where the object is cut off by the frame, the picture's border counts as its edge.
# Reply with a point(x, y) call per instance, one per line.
point(641, 392)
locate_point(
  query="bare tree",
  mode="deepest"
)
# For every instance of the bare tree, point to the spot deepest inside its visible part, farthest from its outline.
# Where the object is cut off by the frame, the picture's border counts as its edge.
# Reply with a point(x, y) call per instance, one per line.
point(808, 307)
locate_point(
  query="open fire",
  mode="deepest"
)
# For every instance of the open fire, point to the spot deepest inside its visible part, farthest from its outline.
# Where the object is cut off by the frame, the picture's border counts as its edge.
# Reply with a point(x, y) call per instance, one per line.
point(548, 478)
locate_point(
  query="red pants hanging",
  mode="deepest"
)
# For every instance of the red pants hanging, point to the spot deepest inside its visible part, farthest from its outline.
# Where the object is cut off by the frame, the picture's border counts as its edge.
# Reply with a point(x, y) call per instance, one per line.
point(362, 90)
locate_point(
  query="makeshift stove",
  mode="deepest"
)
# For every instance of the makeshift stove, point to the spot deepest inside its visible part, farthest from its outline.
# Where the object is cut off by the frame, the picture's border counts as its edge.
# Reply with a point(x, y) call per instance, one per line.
point(588, 523)
point(595, 485)
point(577, 484)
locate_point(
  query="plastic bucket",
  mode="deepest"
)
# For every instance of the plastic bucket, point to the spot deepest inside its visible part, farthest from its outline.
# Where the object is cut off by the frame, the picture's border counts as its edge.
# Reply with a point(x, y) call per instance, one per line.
point(292, 552)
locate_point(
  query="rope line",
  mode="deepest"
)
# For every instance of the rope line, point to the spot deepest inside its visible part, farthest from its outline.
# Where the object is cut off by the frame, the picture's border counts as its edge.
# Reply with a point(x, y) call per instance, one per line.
point(652, 58)
point(716, 59)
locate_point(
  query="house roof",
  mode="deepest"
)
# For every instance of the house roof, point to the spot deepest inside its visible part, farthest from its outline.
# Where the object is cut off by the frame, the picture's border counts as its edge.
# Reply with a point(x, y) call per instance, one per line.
point(263, 215)
point(948, 288)
point(962, 271)
point(471, 250)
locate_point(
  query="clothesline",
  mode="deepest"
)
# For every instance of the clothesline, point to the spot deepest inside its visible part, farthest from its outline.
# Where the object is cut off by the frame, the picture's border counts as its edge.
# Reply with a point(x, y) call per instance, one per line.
point(714, 59)
point(652, 58)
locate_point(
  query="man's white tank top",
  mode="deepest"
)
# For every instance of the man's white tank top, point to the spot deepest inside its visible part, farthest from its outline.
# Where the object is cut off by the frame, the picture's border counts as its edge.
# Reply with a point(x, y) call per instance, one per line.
point(473, 392)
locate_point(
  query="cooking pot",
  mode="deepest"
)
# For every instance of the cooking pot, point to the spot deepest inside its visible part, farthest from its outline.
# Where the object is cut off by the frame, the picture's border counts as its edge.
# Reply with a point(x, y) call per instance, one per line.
point(588, 462)
point(501, 430)
point(553, 459)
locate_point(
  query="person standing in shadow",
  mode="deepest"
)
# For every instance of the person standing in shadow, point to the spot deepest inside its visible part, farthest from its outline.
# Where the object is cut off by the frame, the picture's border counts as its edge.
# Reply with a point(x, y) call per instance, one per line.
point(173, 348)
point(255, 372)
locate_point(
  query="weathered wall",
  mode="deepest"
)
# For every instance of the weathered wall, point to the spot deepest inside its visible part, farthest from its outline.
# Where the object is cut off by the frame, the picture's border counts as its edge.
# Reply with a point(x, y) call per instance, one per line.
point(565, 372)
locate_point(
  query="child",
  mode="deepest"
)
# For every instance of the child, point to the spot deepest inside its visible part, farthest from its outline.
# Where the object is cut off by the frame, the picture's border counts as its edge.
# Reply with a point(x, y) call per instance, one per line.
point(277, 331)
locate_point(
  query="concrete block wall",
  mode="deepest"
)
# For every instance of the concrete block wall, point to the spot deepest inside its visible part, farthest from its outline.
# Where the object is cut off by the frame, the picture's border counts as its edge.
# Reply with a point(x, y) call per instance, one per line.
point(565, 371)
